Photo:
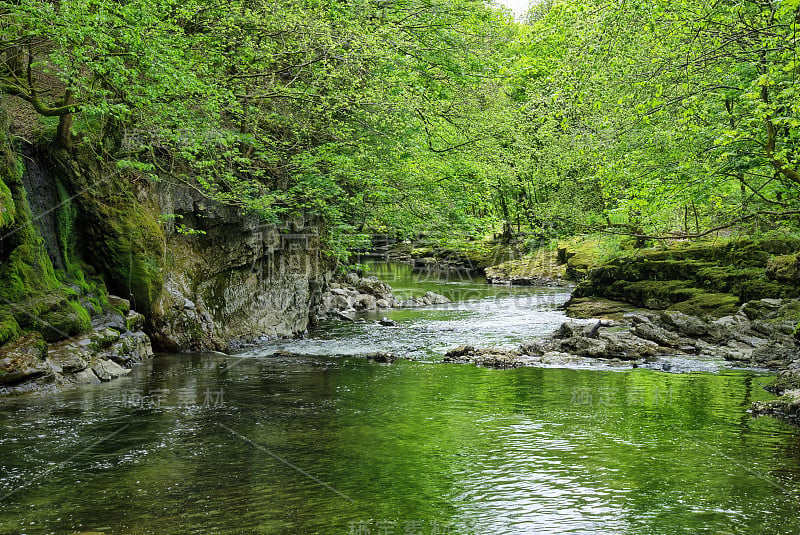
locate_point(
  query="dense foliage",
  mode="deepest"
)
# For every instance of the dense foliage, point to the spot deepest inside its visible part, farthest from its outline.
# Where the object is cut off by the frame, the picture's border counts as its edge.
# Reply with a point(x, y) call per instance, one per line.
point(443, 117)
point(681, 116)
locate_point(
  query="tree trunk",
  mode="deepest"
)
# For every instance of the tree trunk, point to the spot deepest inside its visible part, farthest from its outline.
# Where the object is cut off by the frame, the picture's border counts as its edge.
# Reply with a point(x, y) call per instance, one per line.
point(64, 130)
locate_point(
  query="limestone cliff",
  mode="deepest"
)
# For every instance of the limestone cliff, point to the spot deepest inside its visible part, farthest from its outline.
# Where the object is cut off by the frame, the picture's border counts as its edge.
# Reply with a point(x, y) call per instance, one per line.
point(230, 278)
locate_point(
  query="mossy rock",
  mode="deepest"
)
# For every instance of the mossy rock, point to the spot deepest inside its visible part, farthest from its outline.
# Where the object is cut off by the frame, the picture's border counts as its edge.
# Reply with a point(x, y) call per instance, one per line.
point(124, 239)
point(23, 359)
point(591, 307)
point(714, 305)
point(723, 279)
point(120, 304)
point(103, 339)
point(647, 269)
point(764, 289)
point(784, 268)
point(63, 322)
point(8, 209)
point(9, 328)
point(27, 272)
point(652, 294)
point(580, 255)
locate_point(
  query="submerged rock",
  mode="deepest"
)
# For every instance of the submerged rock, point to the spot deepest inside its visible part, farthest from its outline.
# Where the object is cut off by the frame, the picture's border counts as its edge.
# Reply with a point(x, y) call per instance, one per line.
point(381, 356)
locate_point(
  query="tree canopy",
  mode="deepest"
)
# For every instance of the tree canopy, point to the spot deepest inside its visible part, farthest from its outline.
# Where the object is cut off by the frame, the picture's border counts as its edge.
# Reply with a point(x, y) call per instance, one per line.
point(441, 116)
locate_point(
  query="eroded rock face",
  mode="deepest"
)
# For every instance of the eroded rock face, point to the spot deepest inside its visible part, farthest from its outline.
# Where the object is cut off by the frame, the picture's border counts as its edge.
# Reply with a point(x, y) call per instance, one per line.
point(236, 280)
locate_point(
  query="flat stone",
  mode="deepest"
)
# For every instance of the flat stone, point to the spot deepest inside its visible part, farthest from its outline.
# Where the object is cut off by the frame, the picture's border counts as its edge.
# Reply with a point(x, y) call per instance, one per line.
point(83, 377)
point(69, 357)
point(686, 325)
point(107, 370)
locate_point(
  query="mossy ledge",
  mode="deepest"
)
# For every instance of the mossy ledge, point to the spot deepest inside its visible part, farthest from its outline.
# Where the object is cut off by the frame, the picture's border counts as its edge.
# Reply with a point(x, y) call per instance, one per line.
point(705, 280)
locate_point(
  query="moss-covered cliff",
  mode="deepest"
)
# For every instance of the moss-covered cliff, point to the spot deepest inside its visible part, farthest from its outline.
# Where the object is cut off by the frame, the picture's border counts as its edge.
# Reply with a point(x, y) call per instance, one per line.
point(33, 294)
point(95, 229)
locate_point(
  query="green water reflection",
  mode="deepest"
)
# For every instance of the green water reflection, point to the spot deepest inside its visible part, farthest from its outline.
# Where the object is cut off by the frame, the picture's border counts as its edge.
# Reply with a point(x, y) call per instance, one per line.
point(214, 444)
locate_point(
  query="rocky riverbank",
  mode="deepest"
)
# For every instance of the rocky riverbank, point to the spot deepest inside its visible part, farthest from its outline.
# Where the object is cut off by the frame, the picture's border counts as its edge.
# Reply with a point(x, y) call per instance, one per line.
point(113, 344)
point(200, 274)
point(758, 335)
point(353, 293)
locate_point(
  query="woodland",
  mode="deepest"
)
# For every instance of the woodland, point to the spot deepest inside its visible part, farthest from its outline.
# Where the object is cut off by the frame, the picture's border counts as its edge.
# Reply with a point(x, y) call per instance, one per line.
point(449, 119)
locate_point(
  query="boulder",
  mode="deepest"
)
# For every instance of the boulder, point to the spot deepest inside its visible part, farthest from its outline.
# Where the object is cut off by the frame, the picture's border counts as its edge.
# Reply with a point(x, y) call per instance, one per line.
point(643, 327)
point(23, 360)
point(103, 338)
point(760, 308)
point(106, 370)
point(130, 348)
point(134, 321)
point(532, 347)
point(83, 377)
point(488, 357)
point(122, 305)
point(433, 298)
point(365, 302)
point(689, 326)
point(71, 358)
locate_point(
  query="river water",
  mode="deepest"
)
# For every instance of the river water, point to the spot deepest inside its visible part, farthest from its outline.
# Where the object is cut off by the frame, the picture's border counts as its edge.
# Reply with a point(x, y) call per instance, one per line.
point(322, 441)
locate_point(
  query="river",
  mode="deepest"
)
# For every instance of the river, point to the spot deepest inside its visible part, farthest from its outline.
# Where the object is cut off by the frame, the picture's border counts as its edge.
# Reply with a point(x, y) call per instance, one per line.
point(321, 441)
